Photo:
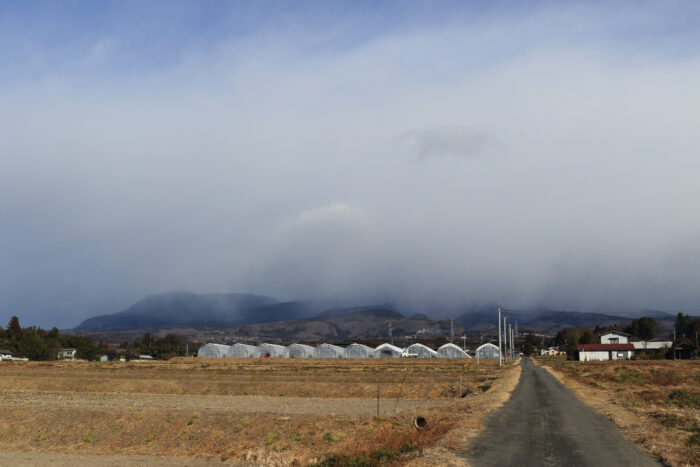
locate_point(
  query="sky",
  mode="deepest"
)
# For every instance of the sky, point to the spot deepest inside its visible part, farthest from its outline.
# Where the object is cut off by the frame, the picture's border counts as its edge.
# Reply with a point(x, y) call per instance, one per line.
point(434, 155)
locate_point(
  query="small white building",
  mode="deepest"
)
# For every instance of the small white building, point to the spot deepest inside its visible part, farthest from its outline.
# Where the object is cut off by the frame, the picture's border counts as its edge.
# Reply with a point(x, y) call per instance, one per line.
point(615, 337)
point(601, 352)
point(66, 354)
point(5, 354)
point(654, 344)
point(552, 351)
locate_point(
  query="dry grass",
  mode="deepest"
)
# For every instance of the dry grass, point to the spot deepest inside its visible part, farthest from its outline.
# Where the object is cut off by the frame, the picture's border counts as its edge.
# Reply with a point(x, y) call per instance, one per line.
point(261, 437)
point(655, 402)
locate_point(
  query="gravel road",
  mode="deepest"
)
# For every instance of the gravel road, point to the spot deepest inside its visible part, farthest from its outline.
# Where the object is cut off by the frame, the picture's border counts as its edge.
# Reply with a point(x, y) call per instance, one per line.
point(545, 424)
point(242, 404)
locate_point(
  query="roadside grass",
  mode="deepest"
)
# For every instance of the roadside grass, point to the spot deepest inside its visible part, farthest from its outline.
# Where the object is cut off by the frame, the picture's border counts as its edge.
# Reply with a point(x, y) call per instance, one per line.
point(655, 402)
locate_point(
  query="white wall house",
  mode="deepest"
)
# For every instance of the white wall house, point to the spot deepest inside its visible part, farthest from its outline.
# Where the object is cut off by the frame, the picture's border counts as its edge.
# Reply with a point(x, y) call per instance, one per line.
point(600, 352)
point(615, 337)
point(5, 354)
point(66, 354)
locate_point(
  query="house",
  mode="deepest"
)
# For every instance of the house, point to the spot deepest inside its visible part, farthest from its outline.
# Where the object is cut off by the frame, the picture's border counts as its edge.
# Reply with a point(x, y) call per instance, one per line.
point(66, 354)
point(654, 344)
point(5, 354)
point(102, 358)
point(552, 351)
point(615, 337)
point(599, 352)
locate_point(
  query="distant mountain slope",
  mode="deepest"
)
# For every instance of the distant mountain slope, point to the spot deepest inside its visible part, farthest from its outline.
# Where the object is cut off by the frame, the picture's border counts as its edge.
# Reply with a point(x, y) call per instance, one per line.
point(362, 323)
point(186, 308)
point(537, 320)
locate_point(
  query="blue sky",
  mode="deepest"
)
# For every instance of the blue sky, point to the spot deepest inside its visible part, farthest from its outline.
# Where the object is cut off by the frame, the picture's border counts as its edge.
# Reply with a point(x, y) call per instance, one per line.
point(43, 38)
point(449, 153)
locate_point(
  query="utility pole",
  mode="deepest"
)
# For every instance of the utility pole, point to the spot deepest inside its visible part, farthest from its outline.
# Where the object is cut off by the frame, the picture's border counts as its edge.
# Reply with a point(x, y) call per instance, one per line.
point(500, 356)
point(505, 338)
point(452, 331)
point(510, 334)
point(390, 335)
point(464, 338)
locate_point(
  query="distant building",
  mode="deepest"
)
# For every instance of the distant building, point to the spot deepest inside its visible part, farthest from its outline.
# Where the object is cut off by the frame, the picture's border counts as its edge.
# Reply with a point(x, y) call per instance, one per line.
point(615, 337)
point(5, 354)
point(66, 354)
point(600, 352)
point(654, 344)
point(552, 351)
point(103, 358)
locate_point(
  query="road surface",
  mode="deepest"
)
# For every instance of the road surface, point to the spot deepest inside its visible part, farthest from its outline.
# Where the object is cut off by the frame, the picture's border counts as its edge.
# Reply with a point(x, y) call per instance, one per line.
point(545, 424)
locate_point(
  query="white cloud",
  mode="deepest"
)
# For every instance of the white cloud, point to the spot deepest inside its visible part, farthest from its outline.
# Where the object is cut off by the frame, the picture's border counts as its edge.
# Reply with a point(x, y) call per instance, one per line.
point(202, 176)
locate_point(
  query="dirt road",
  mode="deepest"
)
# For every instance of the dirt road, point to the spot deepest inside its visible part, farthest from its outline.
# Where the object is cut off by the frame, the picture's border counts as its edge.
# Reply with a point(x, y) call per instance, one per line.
point(545, 424)
point(241, 404)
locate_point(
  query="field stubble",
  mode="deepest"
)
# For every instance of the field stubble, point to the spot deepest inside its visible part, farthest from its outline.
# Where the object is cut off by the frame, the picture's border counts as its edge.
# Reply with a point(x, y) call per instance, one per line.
point(281, 412)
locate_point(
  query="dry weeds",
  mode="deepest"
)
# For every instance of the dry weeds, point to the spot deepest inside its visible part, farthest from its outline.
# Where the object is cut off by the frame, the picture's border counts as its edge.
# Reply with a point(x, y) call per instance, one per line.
point(656, 403)
point(262, 435)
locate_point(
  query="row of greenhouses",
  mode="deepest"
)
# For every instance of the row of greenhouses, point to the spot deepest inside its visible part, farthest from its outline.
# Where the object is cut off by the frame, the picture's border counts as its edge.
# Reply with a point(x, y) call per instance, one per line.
point(334, 351)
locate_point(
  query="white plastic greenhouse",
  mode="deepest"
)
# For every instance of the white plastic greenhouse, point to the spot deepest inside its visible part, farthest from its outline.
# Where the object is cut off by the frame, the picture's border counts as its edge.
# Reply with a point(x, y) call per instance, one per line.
point(388, 351)
point(213, 351)
point(273, 351)
point(421, 350)
point(487, 350)
point(329, 351)
point(300, 351)
point(451, 351)
point(243, 351)
point(359, 351)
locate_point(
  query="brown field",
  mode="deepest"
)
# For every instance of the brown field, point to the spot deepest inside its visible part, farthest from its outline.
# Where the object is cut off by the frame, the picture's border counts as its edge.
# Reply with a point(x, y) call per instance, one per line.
point(655, 402)
point(276, 412)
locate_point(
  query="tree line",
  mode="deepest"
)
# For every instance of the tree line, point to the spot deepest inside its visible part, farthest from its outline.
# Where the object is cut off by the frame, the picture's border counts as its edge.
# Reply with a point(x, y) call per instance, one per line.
point(686, 329)
point(36, 343)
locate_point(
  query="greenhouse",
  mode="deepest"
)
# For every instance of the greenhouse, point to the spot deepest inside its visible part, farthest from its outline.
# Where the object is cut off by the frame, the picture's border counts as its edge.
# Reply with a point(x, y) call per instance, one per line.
point(387, 351)
point(300, 351)
point(329, 351)
point(243, 351)
point(451, 351)
point(421, 350)
point(213, 351)
point(273, 351)
point(359, 351)
point(487, 351)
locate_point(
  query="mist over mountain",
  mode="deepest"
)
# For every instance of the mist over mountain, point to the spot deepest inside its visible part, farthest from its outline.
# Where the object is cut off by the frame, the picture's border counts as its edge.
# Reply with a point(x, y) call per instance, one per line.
point(190, 309)
point(257, 316)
